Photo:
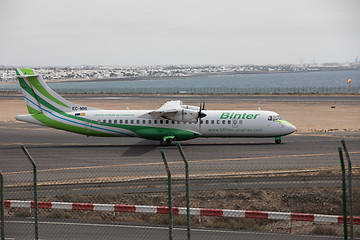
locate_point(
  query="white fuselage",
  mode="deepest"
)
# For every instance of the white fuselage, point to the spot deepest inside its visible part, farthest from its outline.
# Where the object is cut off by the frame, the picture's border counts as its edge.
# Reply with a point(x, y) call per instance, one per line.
point(228, 123)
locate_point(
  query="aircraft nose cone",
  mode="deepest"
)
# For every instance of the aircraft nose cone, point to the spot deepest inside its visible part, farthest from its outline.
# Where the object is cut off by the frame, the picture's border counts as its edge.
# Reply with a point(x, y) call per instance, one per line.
point(292, 128)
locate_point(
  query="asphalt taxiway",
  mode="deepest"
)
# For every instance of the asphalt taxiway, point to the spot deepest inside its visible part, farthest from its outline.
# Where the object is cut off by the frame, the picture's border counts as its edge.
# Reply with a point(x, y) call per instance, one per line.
point(66, 156)
point(69, 159)
point(83, 230)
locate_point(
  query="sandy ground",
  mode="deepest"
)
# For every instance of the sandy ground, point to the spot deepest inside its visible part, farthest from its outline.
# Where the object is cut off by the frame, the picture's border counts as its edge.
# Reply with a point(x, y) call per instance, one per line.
point(305, 116)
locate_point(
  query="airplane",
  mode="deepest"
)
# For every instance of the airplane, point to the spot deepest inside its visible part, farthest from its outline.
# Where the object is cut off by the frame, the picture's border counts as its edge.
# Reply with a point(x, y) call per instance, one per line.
point(173, 121)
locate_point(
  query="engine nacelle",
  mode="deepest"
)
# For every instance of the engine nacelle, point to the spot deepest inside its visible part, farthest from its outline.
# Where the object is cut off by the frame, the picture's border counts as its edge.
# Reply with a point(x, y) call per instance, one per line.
point(191, 107)
point(185, 115)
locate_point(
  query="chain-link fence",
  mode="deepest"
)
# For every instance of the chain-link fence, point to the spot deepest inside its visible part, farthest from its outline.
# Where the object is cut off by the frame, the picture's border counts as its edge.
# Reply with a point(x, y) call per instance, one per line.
point(109, 191)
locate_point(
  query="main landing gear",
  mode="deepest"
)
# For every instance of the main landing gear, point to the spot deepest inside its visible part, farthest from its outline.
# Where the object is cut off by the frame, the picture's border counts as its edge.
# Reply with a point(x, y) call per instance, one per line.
point(277, 140)
point(167, 140)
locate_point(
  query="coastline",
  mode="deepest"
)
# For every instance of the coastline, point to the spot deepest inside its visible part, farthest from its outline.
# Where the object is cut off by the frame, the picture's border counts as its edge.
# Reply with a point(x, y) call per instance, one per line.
point(205, 74)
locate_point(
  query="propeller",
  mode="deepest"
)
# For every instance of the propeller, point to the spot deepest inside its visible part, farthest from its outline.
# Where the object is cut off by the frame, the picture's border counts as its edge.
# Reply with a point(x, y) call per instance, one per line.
point(201, 114)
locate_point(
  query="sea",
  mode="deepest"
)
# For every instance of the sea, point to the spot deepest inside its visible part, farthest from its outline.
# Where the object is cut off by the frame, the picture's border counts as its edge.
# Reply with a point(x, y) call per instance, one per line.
point(267, 83)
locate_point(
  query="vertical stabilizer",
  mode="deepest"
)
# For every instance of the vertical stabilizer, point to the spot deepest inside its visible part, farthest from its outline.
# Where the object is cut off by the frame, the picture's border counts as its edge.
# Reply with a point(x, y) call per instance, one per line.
point(39, 97)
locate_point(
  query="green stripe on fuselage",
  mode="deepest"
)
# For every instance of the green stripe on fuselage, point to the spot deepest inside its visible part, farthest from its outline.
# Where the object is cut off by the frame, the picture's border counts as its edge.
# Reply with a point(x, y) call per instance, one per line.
point(63, 126)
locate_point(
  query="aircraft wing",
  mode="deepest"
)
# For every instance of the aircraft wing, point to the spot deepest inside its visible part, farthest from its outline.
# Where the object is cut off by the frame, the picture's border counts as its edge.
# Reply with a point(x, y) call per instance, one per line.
point(176, 111)
point(169, 108)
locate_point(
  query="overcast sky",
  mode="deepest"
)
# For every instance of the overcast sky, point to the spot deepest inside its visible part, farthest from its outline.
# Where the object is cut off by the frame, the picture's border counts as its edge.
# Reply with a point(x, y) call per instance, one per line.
point(144, 32)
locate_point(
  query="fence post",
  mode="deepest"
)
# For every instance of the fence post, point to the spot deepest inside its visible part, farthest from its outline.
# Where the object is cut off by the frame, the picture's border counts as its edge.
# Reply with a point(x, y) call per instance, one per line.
point(169, 193)
point(186, 189)
point(2, 207)
point(350, 190)
point(344, 192)
point(290, 226)
point(35, 191)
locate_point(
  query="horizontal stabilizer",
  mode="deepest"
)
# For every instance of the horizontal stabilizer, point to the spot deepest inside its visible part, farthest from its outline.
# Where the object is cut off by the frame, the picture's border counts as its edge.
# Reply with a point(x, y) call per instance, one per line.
point(27, 76)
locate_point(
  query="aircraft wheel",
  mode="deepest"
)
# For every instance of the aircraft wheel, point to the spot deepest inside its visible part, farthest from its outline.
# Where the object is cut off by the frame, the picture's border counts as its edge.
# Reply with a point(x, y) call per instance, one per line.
point(277, 141)
point(168, 141)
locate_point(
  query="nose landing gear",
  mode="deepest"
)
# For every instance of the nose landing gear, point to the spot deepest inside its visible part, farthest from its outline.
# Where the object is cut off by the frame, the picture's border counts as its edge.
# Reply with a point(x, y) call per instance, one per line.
point(277, 140)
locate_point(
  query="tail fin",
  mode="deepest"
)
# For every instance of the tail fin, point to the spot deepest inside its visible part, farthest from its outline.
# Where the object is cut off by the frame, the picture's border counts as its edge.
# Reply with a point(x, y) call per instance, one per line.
point(39, 97)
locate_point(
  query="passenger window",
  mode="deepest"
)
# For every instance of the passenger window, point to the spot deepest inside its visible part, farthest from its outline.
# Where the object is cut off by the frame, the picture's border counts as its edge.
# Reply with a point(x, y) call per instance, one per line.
point(121, 121)
point(172, 121)
point(178, 122)
point(218, 121)
point(109, 121)
point(229, 121)
point(137, 121)
point(115, 121)
point(240, 121)
point(212, 121)
point(161, 121)
point(143, 121)
point(206, 121)
point(98, 121)
point(155, 121)
point(104, 121)
point(201, 121)
point(131, 121)
point(223, 121)
point(126, 121)
point(167, 121)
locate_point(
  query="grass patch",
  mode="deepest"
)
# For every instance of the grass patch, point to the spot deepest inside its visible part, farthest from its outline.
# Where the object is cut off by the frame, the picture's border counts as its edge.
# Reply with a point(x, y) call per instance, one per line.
point(232, 223)
point(22, 212)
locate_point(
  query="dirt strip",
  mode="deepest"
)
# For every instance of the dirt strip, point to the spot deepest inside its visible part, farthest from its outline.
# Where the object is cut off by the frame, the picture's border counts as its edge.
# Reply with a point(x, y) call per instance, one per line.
point(306, 117)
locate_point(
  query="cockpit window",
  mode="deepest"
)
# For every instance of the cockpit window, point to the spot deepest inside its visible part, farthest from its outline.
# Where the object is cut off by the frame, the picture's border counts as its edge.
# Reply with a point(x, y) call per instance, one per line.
point(277, 118)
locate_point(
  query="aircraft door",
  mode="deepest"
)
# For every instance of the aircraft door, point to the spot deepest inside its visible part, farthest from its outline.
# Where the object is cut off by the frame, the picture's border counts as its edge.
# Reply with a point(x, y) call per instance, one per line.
point(88, 127)
point(235, 123)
